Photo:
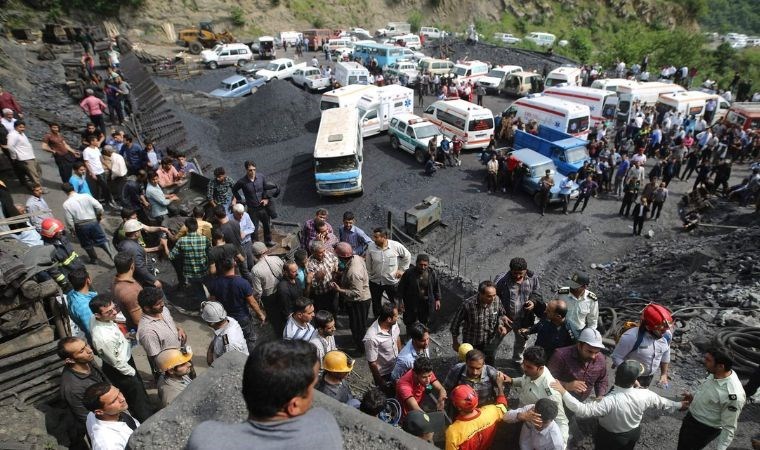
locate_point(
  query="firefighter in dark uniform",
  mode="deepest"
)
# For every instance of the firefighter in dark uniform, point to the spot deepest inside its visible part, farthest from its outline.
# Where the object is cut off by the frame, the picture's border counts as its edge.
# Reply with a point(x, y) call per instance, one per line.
point(65, 259)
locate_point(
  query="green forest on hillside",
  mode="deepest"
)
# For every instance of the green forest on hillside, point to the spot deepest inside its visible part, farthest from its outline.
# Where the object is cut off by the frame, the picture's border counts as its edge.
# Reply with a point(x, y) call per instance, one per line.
point(738, 16)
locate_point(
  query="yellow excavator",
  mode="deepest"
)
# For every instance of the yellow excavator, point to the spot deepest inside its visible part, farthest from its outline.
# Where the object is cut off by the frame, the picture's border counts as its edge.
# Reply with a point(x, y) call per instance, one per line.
point(196, 39)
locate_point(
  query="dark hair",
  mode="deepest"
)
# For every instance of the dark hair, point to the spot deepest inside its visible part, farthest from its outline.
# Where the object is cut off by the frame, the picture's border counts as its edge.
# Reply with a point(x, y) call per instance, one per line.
point(547, 409)
point(152, 174)
point(276, 372)
point(219, 212)
point(321, 211)
point(348, 215)
point(217, 235)
point(416, 331)
point(475, 355)
point(219, 171)
point(91, 396)
point(126, 213)
point(166, 160)
point(226, 264)
point(18, 123)
point(518, 264)
point(485, 284)
point(301, 304)
point(300, 255)
point(319, 223)
point(123, 262)
point(422, 257)
point(67, 187)
point(192, 224)
point(149, 296)
point(128, 138)
point(535, 355)
point(722, 356)
point(386, 311)
point(78, 165)
point(380, 230)
point(248, 164)
point(322, 318)
point(99, 301)
point(423, 364)
point(78, 278)
point(61, 349)
point(198, 212)
point(373, 402)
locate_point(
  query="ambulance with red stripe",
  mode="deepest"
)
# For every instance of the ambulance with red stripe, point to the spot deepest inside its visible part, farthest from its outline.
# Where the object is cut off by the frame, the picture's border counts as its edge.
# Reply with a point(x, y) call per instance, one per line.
point(601, 103)
point(472, 123)
point(555, 113)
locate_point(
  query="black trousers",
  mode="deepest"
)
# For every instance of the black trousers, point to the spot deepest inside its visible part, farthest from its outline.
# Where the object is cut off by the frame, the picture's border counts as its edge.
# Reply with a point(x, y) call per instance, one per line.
point(65, 167)
point(376, 291)
point(581, 198)
point(260, 215)
point(357, 320)
point(274, 313)
point(416, 310)
point(638, 225)
point(133, 390)
point(327, 301)
point(695, 435)
point(607, 440)
point(656, 206)
point(103, 190)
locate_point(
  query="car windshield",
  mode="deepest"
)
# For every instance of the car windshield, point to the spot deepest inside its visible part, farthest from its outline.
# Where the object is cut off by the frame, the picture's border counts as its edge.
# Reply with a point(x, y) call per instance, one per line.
point(339, 164)
point(540, 170)
point(426, 131)
point(576, 155)
point(496, 74)
point(460, 71)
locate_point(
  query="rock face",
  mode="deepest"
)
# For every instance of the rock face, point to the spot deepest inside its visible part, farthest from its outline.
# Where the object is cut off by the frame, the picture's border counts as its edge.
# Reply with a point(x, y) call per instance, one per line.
point(216, 395)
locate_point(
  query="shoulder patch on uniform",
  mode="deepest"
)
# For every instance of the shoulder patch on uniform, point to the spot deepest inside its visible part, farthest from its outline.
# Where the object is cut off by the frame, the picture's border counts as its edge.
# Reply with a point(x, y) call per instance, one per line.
point(732, 396)
point(591, 295)
point(548, 391)
point(563, 290)
point(732, 408)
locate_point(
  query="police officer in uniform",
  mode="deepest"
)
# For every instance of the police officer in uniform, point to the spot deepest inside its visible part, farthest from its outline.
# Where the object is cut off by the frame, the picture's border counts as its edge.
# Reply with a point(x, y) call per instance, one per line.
point(715, 407)
point(582, 305)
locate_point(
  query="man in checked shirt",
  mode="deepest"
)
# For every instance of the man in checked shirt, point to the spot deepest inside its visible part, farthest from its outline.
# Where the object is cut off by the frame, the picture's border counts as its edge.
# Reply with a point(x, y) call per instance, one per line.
point(483, 321)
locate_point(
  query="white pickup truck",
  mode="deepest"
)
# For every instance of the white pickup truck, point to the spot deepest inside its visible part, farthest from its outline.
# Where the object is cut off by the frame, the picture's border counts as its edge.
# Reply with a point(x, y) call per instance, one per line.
point(279, 69)
point(310, 78)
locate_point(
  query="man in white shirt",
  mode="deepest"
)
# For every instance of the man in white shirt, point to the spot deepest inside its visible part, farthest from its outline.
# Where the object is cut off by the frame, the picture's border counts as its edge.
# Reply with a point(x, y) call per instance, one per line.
point(546, 436)
point(323, 340)
point(386, 262)
point(228, 336)
point(298, 326)
point(647, 344)
point(621, 410)
point(8, 120)
point(97, 173)
point(109, 425)
point(37, 204)
point(82, 214)
point(22, 154)
point(116, 352)
point(118, 176)
point(247, 231)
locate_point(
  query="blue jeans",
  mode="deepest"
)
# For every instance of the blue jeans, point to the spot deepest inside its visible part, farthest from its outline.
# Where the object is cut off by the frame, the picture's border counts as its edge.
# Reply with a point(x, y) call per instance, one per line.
point(90, 234)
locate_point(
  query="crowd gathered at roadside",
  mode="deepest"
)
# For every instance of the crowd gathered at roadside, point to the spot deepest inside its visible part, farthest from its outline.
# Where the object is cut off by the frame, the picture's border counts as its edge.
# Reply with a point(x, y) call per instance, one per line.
point(282, 312)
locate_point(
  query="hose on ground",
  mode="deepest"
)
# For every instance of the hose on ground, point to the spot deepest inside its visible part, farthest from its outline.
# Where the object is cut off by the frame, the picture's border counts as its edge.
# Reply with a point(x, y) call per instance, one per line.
point(745, 344)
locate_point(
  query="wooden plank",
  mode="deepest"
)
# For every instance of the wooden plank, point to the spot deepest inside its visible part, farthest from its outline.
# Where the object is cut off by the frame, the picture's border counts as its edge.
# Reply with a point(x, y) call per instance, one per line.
point(10, 374)
point(28, 354)
point(37, 379)
point(40, 336)
point(19, 230)
point(28, 376)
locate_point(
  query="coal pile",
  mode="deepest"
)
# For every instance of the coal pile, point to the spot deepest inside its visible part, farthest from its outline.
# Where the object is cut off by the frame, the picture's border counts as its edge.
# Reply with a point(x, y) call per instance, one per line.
point(277, 112)
point(527, 59)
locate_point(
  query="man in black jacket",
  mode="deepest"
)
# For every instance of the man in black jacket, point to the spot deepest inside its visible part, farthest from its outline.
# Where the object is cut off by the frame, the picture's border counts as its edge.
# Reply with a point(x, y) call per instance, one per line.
point(418, 290)
point(518, 290)
point(144, 274)
point(252, 186)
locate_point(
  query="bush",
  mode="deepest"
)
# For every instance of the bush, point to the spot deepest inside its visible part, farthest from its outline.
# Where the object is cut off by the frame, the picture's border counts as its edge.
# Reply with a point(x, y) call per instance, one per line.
point(580, 45)
point(415, 20)
point(237, 16)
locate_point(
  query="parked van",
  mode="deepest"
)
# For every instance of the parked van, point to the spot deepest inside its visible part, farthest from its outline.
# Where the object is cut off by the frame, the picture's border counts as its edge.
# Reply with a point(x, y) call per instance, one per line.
point(494, 80)
point(335, 44)
point(350, 72)
point(562, 115)
point(602, 104)
point(541, 39)
point(472, 123)
point(692, 103)
point(644, 93)
point(569, 76)
point(520, 84)
point(226, 55)
point(435, 66)
point(291, 37)
point(266, 47)
point(410, 41)
point(431, 32)
point(338, 153)
point(345, 96)
point(470, 70)
point(377, 106)
point(746, 115)
point(612, 84)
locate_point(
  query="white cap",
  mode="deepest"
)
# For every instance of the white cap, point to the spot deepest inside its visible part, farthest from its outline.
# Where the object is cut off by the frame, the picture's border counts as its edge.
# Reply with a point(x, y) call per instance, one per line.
point(591, 337)
point(133, 225)
point(213, 312)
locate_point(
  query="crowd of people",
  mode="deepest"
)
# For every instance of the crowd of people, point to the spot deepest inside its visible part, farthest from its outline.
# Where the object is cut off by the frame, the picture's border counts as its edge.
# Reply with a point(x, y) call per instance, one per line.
point(283, 312)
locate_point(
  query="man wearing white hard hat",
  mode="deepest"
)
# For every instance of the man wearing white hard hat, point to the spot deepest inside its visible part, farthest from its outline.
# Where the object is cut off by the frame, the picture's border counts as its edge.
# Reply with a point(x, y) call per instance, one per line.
point(228, 336)
point(143, 273)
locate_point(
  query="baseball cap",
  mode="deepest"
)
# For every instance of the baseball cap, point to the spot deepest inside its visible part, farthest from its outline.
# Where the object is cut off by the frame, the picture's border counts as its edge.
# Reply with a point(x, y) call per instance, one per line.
point(213, 312)
point(172, 357)
point(259, 248)
point(420, 422)
point(578, 279)
point(132, 225)
point(591, 337)
point(626, 373)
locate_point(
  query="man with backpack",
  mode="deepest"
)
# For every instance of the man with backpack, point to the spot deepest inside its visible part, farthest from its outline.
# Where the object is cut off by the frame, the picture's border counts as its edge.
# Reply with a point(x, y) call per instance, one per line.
point(648, 343)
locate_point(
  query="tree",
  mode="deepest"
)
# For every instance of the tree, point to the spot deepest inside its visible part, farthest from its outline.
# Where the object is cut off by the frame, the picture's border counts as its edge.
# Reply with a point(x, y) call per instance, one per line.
point(580, 45)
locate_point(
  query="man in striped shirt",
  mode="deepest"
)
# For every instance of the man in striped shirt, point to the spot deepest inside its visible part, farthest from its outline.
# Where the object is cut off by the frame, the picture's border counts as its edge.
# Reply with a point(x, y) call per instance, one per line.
point(299, 327)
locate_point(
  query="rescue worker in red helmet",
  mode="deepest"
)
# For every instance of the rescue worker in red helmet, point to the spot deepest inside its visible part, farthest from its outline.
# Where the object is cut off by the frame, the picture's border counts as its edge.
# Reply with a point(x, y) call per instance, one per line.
point(649, 343)
point(64, 258)
point(474, 428)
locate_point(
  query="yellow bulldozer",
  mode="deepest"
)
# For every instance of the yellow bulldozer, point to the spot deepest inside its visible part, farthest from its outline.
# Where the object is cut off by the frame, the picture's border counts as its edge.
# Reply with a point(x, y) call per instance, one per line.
point(196, 39)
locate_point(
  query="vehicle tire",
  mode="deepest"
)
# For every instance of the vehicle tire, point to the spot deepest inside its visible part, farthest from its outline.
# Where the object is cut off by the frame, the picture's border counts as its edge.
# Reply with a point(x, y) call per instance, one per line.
point(241, 62)
point(213, 65)
point(419, 155)
point(395, 143)
point(306, 87)
point(195, 48)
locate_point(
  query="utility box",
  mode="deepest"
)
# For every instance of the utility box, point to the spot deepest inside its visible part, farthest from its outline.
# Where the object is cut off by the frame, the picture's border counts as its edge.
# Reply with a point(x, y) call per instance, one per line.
point(422, 216)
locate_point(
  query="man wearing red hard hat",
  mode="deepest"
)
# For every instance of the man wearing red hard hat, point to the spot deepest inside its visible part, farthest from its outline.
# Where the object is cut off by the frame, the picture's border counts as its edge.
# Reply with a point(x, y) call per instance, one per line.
point(649, 343)
point(64, 257)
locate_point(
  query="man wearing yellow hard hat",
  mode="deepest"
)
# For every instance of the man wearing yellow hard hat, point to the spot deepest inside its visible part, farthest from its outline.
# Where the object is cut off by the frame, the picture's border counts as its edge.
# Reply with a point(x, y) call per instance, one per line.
point(175, 366)
point(333, 383)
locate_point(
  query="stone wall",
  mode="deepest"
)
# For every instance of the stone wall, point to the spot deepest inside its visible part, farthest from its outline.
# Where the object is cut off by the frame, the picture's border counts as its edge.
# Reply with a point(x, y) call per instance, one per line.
point(216, 395)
